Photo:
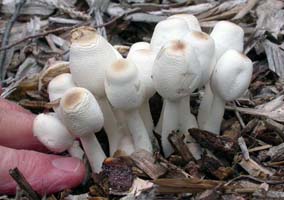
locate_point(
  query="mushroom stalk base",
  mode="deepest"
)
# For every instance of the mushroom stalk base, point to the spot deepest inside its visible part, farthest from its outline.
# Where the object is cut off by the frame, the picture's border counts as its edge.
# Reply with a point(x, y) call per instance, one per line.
point(170, 123)
point(146, 116)
point(205, 107)
point(186, 118)
point(211, 112)
point(158, 128)
point(94, 151)
point(138, 130)
point(111, 127)
point(76, 151)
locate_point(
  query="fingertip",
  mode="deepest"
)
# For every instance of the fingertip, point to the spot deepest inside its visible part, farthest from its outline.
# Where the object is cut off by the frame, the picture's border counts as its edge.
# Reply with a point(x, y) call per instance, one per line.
point(10, 105)
point(46, 174)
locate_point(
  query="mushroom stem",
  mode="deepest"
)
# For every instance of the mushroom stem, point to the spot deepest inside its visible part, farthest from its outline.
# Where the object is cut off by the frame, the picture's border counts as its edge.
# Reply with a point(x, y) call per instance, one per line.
point(158, 128)
point(76, 151)
point(205, 107)
point(215, 115)
point(93, 151)
point(186, 118)
point(139, 133)
point(111, 127)
point(147, 118)
point(170, 123)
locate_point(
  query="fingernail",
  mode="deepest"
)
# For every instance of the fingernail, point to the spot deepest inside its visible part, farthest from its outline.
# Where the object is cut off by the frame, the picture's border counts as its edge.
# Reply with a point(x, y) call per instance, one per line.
point(67, 164)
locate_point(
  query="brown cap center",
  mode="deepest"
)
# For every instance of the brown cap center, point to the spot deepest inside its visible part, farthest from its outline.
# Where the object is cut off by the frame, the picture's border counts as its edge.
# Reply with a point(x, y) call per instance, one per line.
point(178, 45)
point(119, 65)
point(73, 98)
point(83, 35)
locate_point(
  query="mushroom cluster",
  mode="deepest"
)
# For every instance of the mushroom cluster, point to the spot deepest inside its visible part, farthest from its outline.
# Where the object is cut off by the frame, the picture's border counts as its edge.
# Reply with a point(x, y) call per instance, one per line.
point(105, 90)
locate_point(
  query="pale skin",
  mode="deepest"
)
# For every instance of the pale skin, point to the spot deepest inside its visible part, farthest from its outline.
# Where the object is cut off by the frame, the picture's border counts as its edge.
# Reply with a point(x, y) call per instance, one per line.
point(24, 153)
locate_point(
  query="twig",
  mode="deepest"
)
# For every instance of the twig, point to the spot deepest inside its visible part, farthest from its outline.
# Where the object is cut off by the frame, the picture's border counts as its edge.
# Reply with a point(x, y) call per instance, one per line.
point(238, 115)
point(38, 36)
point(23, 184)
point(5, 39)
point(250, 4)
point(271, 182)
point(68, 28)
point(244, 148)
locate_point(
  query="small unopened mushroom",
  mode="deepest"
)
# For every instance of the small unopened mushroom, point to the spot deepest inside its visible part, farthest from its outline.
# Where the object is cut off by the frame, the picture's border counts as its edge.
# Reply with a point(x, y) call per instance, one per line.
point(226, 35)
point(229, 81)
point(52, 133)
point(126, 92)
point(204, 47)
point(166, 30)
point(90, 55)
point(144, 60)
point(138, 46)
point(58, 86)
point(83, 117)
point(191, 20)
point(176, 73)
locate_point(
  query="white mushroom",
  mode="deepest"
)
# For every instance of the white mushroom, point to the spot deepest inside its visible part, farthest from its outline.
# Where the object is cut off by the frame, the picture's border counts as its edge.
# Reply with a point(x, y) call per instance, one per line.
point(166, 30)
point(204, 47)
point(176, 73)
point(50, 131)
point(229, 81)
point(83, 117)
point(226, 35)
point(58, 86)
point(90, 54)
point(126, 92)
point(144, 60)
point(138, 46)
point(192, 25)
point(191, 20)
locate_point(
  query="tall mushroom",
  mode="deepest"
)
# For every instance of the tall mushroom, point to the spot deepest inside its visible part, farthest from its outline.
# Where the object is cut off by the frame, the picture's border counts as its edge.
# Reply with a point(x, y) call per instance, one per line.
point(83, 117)
point(90, 54)
point(226, 35)
point(176, 73)
point(126, 92)
point(230, 79)
point(144, 60)
point(192, 25)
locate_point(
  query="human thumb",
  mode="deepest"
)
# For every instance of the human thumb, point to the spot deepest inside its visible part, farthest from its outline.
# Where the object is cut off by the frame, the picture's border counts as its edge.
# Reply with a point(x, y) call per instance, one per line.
point(46, 173)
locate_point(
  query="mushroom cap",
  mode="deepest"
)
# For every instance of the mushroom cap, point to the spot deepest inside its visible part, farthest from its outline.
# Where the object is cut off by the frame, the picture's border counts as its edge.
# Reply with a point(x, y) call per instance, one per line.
point(138, 46)
point(90, 54)
point(81, 112)
point(50, 131)
point(123, 86)
point(176, 71)
point(59, 85)
point(144, 60)
point(204, 47)
point(166, 30)
point(227, 35)
point(191, 20)
point(232, 75)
